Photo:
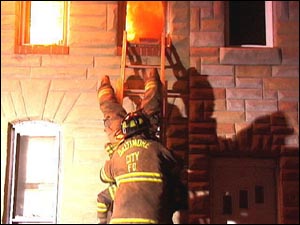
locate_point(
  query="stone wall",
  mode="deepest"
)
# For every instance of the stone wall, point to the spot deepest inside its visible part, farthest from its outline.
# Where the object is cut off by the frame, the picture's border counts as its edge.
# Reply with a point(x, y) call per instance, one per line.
point(244, 102)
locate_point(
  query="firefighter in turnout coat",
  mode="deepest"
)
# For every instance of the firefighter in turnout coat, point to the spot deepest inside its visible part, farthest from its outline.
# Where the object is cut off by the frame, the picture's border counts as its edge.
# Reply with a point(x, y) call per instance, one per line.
point(105, 203)
point(142, 169)
point(114, 114)
point(154, 190)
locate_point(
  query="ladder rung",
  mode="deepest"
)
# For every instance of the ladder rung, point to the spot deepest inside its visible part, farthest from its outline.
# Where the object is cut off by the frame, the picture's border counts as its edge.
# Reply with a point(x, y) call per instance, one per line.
point(134, 91)
point(170, 93)
point(143, 66)
point(177, 95)
point(144, 45)
point(146, 66)
point(144, 42)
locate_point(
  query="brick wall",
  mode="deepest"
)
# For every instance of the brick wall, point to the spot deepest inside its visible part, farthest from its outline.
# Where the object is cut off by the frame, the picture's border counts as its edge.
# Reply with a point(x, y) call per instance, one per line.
point(244, 102)
point(223, 100)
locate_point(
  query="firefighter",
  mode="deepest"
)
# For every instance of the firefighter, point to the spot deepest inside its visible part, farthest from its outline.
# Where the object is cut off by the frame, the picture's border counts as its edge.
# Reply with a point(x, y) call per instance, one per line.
point(113, 115)
point(105, 204)
point(150, 110)
point(152, 102)
point(105, 198)
point(114, 112)
point(141, 167)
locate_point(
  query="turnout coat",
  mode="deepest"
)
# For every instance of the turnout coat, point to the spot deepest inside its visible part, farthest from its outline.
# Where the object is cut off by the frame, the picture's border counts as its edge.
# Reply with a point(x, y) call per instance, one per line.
point(142, 170)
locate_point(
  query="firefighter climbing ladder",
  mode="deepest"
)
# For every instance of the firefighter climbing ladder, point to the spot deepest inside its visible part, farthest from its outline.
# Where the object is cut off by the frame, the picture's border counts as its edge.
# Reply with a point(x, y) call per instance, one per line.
point(161, 46)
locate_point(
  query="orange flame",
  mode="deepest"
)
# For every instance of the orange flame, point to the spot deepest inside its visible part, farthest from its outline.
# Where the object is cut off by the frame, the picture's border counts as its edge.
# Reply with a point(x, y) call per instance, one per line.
point(144, 19)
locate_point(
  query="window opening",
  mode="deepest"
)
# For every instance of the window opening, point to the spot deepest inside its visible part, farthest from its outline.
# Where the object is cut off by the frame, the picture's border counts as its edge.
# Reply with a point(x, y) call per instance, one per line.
point(34, 175)
point(227, 203)
point(243, 199)
point(259, 194)
point(144, 21)
point(42, 24)
point(249, 23)
point(47, 22)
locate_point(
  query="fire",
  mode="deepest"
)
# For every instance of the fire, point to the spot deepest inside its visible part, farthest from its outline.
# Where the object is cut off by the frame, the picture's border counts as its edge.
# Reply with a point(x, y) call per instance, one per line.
point(47, 20)
point(144, 19)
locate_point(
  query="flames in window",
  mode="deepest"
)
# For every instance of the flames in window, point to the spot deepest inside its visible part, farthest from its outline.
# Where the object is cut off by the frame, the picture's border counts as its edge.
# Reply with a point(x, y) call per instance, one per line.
point(144, 20)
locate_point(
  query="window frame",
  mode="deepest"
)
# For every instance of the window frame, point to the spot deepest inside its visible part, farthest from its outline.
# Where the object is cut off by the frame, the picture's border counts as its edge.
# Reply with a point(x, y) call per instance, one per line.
point(22, 32)
point(268, 27)
point(30, 128)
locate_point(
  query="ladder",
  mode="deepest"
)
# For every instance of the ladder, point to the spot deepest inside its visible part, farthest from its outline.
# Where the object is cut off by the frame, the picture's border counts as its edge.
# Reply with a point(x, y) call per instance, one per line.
point(143, 46)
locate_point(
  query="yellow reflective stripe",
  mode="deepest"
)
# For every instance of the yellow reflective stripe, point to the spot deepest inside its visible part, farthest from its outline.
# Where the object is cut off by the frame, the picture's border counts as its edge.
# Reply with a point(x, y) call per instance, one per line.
point(104, 92)
point(132, 220)
point(138, 177)
point(101, 207)
point(101, 211)
point(112, 191)
point(101, 204)
point(150, 84)
point(139, 174)
point(105, 177)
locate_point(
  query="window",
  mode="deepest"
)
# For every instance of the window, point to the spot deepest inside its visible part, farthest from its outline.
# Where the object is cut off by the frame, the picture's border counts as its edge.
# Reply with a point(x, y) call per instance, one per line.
point(259, 194)
point(33, 179)
point(227, 204)
point(143, 21)
point(42, 27)
point(243, 202)
point(249, 23)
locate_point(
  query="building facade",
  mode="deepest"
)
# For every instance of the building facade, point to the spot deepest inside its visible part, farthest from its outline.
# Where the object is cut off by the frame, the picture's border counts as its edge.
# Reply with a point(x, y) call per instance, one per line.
point(232, 112)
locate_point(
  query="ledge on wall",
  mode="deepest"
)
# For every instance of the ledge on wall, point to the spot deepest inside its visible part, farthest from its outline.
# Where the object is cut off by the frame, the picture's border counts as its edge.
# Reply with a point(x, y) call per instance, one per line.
point(250, 56)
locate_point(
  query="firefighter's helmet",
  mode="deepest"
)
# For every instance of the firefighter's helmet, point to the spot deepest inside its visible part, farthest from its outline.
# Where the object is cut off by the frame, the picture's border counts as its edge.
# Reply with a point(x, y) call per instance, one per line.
point(134, 123)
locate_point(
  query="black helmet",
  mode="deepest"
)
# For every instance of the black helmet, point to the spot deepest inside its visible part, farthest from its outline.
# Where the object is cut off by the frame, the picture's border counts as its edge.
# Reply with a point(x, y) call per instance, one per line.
point(134, 123)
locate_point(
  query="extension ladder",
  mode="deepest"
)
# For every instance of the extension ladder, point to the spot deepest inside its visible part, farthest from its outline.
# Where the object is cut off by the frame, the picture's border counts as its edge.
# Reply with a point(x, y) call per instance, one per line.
point(144, 48)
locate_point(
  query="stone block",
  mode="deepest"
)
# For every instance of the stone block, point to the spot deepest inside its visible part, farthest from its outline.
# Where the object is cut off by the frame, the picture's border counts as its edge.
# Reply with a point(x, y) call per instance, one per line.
point(235, 105)
point(281, 83)
point(249, 83)
point(206, 39)
point(35, 94)
point(229, 117)
point(261, 105)
point(253, 71)
point(250, 56)
point(216, 70)
point(241, 93)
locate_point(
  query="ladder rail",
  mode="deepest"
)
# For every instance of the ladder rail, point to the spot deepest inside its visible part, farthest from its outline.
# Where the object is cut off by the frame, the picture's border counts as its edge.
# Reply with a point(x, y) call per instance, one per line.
point(120, 89)
point(164, 92)
point(164, 89)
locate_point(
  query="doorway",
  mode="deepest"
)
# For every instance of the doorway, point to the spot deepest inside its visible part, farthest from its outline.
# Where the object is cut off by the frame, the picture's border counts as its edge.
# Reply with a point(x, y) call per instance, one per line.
point(33, 169)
